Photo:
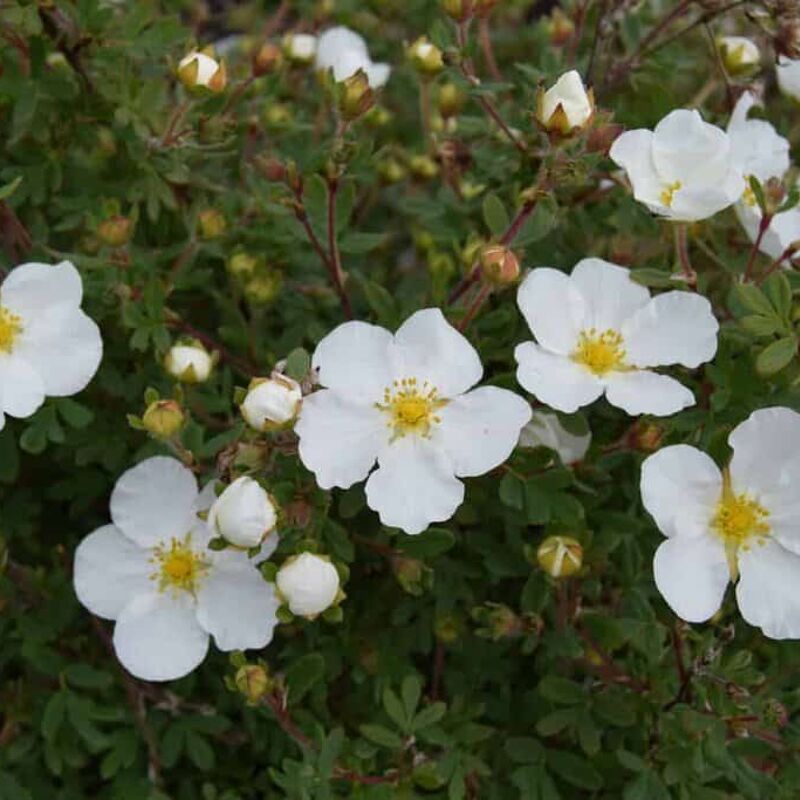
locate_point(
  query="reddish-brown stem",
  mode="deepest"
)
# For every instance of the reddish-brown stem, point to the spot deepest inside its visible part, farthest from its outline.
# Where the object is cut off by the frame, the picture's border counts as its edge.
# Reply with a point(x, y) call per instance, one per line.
point(763, 225)
point(485, 40)
point(608, 670)
point(168, 138)
point(775, 265)
point(481, 296)
point(236, 94)
point(682, 252)
point(337, 274)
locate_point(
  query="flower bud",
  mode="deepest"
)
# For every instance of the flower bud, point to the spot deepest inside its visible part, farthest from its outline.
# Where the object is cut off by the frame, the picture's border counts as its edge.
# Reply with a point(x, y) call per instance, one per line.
point(560, 28)
point(242, 265)
point(266, 59)
point(354, 95)
point(423, 167)
point(212, 223)
point(391, 171)
point(459, 10)
point(271, 402)
point(115, 231)
point(263, 288)
point(499, 265)
point(253, 681)
point(648, 437)
point(451, 100)
point(448, 628)
point(200, 70)
point(426, 57)
point(560, 556)
point(566, 106)
point(189, 363)
point(299, 48)
point(163, 418)
point(378, 117)
point(413, 575)
point(309, 584)
point(243, 514)
point(740, 55)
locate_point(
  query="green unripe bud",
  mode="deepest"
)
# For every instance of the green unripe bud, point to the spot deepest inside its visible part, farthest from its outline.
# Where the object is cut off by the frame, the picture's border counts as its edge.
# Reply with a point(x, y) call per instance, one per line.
point(426, 57)
point(499, 264)
point(115, 231)
point(253, 682)
point(242, 265)
point(163, 418)
point(355, 96)
point(560, 556)
point(212, 223)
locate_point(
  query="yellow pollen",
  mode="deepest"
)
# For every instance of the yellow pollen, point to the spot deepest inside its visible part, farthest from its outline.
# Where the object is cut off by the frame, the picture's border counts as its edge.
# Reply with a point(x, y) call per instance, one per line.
point(10, 326)
point(738, 520)
point(668, 193)
point(749, 196)
point(599, 352)
point(411, 408)
point(179, 567)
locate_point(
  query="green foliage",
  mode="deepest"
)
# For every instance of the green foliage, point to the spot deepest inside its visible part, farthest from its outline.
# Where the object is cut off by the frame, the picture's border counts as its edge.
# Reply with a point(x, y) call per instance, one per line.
point(454, 668)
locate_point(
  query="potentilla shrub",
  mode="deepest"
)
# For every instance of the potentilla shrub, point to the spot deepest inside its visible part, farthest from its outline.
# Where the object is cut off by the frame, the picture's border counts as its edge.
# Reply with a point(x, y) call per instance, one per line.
point(399, 399)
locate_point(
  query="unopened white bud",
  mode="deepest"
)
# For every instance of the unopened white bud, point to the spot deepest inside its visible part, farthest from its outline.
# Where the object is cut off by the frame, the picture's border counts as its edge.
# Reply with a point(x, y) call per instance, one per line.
point(243, 514)
point(272, 403)
point(309, 583)
point(566, 106)
point(190, 363)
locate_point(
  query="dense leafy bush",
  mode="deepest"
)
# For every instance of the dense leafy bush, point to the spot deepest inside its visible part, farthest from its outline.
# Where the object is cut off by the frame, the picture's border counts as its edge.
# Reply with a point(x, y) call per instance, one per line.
point(248, 203)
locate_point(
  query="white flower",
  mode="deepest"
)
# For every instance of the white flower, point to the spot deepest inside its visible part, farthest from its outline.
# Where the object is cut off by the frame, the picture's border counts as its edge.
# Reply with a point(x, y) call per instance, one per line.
point(190, 363)
point(309, 584)
point(566, 105)
point(271, 402)
point(545, 430)
point(48, 346)
point(244, 513)
point(345, 52)
point(683, 170)
point(152, 573)
point(201, 70)
point(788, 74)
point(763, 153)
point(597, 331)
point(300, 47)
point(741, 522)
point(739, 54)
point(405, 401)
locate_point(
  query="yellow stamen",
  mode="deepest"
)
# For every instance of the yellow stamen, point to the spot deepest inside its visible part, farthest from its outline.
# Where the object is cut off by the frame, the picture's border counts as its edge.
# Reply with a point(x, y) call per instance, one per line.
point(179, 567)
point(411, 408)
point(600, 352)
point(749, 196)
point(10, 327)
point(739, 520)
point(668, 193)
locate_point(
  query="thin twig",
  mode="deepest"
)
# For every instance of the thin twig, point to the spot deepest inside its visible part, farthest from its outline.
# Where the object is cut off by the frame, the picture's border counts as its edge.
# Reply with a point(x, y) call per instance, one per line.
point(763, 225)
point(485, 40)
point(682, 252)
point(337, 273)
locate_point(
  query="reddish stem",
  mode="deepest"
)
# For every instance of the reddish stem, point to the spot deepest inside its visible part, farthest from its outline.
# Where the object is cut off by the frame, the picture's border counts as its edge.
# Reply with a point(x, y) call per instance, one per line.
point(763, 225)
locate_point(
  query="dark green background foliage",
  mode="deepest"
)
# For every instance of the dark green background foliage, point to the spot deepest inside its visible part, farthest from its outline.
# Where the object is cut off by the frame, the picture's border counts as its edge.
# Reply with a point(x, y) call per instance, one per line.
point(458, 668)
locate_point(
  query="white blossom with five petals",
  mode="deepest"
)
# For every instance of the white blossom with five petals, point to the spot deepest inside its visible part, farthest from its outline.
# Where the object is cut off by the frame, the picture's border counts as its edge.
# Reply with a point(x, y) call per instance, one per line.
point(405, 401)
point(345, 52)
point(48, 346)
point(684, 169)
point(742, 523)
point(598, 331)
point(151, 572)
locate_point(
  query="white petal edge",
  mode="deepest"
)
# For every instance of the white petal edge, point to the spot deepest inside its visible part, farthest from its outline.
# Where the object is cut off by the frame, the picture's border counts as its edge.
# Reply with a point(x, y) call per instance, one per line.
point(644, 392)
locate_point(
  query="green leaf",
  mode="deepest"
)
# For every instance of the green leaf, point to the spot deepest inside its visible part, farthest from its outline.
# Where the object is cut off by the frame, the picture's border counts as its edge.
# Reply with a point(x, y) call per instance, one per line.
point(298, 363)
point(9, 188)
point(555, 722)
point(302, 675)
point(752, 299)
point(761, 326)
point(646, 786)
point(574, 769)
point(395, 709)
point(776, 356)
point(655, 278)
point(55, 712)
point(9, 457)
point(199, 751)
point(512, 492)
point(495, 215)
point(411, 691)
point(433, 542)
point(382, 736)
point(779, 292)
point(562, 690)
point(428, 716)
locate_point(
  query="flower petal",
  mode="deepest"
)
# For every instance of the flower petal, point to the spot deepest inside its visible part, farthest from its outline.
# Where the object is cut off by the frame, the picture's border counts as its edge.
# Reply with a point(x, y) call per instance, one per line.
point(154, 501)
point(109, 570)
point(34, 289)
point(480, 429)
point(64, 347)
point(632, 151)
point(23, 389)
point(673, 328)
point(555, 379)
point(680, 488)
point(767, 591)
point(553, 308)
point(611, 296)
point(643, 392)
point(353, 360)
point(157, 636)
point(692, 575)
point(236, 605)
point(755, 144)
point(414, 485)
point(546, 430)
point(377, 74)
point(427, 347)
point(339, 439)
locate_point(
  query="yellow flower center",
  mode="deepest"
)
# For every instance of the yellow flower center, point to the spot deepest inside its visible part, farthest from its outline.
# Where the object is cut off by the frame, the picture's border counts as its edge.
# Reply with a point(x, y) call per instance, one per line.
point(600, 352)
point(738, 520)
point(178, 566)
point(668, 193)
point(10, 327)
point(411, 408)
